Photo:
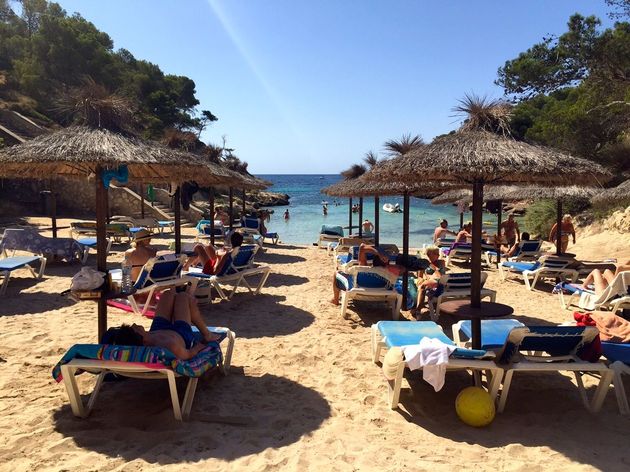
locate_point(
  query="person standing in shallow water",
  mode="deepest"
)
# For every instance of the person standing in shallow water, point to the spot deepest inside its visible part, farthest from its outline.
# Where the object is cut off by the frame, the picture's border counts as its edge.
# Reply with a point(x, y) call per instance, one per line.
point(286, 214)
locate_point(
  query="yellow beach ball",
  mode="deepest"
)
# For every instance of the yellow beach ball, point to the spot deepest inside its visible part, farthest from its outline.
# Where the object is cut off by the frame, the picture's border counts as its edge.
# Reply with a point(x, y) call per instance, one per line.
point(475, 407)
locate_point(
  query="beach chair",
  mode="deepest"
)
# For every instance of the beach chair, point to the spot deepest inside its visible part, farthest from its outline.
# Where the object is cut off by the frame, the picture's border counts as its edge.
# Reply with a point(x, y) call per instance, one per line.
point(390, 334)
point(158, 274)
point(552, 348)
point(204, 230)
point(115, 231)
point(235, 272)
point(329, 234)
point(342, 246)
point(454, 287)
point(615, 297)
point(140, 362)
point(544, 267)
point(618, 356)
point(526, 251)
point(371, 284)
point(493, 333)
point(9, 264)
point(29, 240)
point(163, 225)
point(252, 226)
point(90, 243)
point(460, 251)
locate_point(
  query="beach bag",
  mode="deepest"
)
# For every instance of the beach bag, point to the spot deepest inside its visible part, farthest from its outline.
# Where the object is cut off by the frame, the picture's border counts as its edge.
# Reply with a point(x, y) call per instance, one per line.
point(87, 279)
point(412, 262)
point(412, 291)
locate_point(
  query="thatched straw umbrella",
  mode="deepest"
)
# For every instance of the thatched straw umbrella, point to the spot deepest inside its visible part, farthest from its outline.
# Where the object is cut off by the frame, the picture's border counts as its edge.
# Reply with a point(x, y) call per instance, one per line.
point(618, 194)
point(511, 193)
point(90, 152)
point(481, 153)
point(364, 187)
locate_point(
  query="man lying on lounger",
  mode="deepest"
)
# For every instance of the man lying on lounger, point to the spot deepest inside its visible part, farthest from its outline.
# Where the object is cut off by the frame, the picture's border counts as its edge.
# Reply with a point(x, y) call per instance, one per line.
point(171, 328)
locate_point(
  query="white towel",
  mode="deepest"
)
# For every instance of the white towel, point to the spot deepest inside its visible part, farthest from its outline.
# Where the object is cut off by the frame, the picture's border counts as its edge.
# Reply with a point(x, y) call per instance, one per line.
point(431, 355)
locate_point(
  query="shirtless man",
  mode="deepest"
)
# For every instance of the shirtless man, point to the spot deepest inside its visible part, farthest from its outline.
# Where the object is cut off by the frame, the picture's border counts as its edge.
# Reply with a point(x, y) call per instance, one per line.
point(442, 230)
point(171, 328)
point(511, 230)
point(141, 252)
point(464, 235)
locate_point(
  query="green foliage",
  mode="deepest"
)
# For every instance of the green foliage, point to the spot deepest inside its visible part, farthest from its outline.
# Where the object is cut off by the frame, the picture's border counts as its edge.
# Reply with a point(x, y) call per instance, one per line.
point(44, 52)
point(541, 215)
point(573, 91)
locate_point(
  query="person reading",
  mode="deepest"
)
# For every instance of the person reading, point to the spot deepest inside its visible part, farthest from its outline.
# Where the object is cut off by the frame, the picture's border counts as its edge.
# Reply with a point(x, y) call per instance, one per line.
point(171, 328)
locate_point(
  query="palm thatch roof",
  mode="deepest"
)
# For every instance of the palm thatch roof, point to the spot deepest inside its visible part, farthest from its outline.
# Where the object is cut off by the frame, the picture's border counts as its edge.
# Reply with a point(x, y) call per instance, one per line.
point(362, 187)
point(515, 192)
point(468, 156)
point(618, 194)
point(77, 151)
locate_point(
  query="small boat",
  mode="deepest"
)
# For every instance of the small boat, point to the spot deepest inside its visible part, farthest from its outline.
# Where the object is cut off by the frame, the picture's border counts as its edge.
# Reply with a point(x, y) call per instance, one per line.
point(391, 208)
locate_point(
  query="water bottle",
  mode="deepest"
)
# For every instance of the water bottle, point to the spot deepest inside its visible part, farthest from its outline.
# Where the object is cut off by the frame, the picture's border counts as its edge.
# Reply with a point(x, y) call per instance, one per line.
point(126, 276)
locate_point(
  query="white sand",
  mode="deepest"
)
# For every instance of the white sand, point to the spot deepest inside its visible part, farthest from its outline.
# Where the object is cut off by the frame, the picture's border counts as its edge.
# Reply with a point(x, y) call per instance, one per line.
point(303, 390)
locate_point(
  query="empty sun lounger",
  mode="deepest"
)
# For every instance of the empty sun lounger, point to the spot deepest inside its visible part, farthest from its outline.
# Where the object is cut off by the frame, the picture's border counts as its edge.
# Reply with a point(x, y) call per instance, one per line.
point(329, 234)
point(30, 240)
point(252, 226)
point(618, 355)
point(544, 267)
point(9, 264)
point(140, 362)
point(454, 287)
point(389, 334)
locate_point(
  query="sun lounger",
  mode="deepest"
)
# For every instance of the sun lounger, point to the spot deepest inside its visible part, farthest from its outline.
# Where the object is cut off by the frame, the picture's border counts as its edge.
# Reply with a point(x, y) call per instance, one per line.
point(235, 272)
point(115, 231)
point(389, 334)
point(158, 274)
point(615, 297)
point(618, 355)
point(9, 264)
point(90, 243)
point(368, 283)
point(140, 362)
point(29, 240)
point(526, 251)
point(204, 230)
point(454, 287)
point(251, 225)
point(329, 234)
point(463, 252)
point(539, 349)
point(544, 267)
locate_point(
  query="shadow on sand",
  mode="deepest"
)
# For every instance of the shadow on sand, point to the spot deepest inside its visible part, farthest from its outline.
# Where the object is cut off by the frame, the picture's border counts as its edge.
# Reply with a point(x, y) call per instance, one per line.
point(258, 316)
point(552, 417)
point(256, 407)
point(274, 258)
point(284, 280)
point(32, 302)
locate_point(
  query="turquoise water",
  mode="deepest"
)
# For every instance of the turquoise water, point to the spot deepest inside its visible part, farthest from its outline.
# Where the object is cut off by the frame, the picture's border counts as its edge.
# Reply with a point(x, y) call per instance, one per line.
point(306, 212)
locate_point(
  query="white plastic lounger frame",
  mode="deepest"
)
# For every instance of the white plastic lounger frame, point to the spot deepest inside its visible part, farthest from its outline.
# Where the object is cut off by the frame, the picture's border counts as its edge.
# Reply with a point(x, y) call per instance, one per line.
point(572, 363)
point(494, 373)
point(455, 291)
point(357, 292)
point(619, 369)
point(550, 266)
point(134, 370)
point(86, 250)
point(616, 296)
point(6, 274)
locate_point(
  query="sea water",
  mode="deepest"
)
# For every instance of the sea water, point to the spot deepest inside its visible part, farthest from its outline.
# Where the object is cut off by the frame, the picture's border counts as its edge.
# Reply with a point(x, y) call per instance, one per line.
point(306, 215)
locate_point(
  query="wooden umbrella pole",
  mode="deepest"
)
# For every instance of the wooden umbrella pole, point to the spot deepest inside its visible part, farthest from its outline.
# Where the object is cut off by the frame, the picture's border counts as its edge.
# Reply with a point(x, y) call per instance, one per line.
point(499, 214)
point(244, 196)
point(53, 210)
point(101, 246)
point(231, 208)
point(212, 216)
point(475, 259)
point(141, 201)
point(405, 278)
point(360, 217)
point(559, 228)
point(461, 221)
point(107, 212)
point(376, 220)
point(349, 216)
point(178, 220)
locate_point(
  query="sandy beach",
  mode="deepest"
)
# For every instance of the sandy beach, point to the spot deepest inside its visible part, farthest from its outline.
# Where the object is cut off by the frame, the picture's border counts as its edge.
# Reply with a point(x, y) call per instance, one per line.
point(303, 393)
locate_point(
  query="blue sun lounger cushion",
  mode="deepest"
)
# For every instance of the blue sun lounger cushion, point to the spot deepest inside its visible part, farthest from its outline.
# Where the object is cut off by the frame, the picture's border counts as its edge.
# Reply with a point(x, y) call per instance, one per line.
point(493, 332)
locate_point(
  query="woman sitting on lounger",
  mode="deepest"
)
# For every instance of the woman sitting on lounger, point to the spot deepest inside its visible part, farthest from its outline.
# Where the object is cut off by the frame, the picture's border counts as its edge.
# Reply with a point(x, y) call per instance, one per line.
point(432, 274)
point(211, 259)
point(601, 280)
point(141, 252)
point(171, 328)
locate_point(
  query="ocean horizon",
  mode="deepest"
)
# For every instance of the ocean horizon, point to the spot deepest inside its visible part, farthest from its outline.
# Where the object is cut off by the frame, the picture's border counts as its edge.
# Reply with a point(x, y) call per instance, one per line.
point(306, 215)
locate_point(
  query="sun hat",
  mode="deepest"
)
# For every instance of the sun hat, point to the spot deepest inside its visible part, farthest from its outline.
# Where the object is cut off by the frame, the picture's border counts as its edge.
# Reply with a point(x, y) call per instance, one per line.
point(142, 235)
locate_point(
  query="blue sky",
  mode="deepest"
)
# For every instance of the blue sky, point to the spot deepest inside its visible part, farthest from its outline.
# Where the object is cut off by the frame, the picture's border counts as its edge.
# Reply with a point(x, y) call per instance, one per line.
point(310, 86)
